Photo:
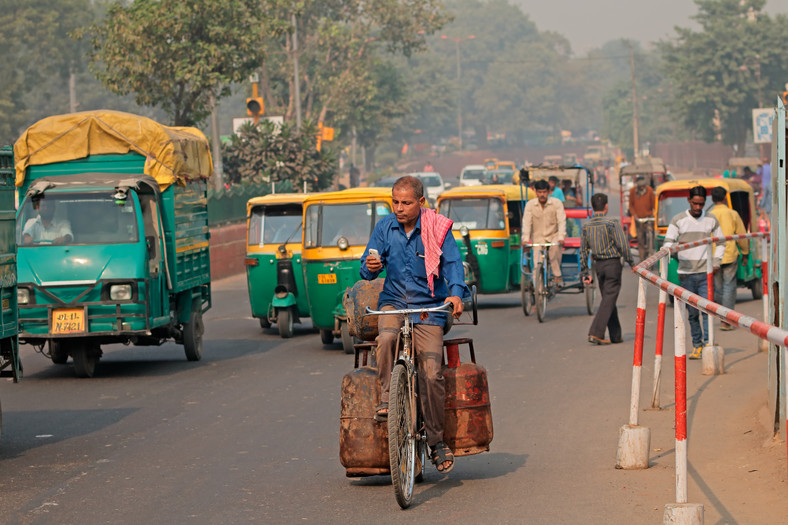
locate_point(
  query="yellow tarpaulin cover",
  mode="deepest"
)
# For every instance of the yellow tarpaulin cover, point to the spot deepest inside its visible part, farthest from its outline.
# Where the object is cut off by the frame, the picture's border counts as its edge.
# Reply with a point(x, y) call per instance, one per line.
point(171, 153)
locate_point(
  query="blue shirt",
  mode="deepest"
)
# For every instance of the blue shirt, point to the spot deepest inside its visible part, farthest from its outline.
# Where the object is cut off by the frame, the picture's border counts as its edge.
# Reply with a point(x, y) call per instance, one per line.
point(406, 274)
point(558, 193)
point(765, 171)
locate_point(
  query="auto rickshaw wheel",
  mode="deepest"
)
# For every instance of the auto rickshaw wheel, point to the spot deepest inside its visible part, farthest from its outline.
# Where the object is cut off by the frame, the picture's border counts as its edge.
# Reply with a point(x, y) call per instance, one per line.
point(58, 353)
point(192, 336)
point(326, 336)
point(265, 324)
point(756, 287)
point(284, 322)
point(85, 357)
point(347, 339)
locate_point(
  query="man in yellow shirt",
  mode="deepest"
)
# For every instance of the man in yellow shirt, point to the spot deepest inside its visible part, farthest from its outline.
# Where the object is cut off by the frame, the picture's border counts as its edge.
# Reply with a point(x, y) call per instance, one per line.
point(725, 278)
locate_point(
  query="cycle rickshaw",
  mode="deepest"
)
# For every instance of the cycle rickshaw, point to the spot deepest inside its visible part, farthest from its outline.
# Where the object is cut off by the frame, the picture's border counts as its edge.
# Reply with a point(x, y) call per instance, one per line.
point(537, 285)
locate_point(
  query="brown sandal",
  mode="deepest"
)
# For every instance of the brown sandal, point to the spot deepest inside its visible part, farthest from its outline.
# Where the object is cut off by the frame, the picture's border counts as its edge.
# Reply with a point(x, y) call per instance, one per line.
point(382, 412)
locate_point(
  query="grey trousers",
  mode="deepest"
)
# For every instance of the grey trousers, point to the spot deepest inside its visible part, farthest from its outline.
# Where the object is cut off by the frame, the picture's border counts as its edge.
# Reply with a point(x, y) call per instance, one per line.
point(428, 342)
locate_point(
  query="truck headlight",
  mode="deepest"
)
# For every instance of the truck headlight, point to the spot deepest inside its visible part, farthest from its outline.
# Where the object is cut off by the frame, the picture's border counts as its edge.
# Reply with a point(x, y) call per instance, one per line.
point(22, 295)
point(120, 292)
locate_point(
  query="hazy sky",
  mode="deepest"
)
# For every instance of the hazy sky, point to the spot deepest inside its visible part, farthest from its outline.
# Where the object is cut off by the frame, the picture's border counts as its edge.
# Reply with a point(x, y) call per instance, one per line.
point(590, 23)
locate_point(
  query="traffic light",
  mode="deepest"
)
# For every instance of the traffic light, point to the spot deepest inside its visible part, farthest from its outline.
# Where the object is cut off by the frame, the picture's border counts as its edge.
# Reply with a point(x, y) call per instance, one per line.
point(254, 106)
point(785, 98)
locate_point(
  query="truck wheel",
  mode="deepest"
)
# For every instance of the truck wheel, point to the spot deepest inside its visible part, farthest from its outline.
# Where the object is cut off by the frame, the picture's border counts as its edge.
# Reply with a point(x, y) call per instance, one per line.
point(284, 321)
point(192, 336)
point(85, 357)
point(326, 336)
point(58, 352)
point(756, 287)
point(347, 339)
point(265, 323)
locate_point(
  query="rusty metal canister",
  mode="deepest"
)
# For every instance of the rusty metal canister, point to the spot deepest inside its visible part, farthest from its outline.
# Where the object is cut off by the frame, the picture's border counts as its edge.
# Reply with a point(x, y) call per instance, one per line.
point(363, 442)
point(468, 426)
point(357, 298)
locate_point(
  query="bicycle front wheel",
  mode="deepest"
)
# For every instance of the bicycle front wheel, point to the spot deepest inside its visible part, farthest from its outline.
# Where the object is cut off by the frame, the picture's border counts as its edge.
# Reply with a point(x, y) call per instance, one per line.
point(540, 291)
point(402, 450)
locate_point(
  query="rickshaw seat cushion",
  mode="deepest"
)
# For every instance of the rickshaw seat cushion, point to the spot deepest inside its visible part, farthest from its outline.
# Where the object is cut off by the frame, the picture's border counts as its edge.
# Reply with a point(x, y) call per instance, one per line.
point(572, 242)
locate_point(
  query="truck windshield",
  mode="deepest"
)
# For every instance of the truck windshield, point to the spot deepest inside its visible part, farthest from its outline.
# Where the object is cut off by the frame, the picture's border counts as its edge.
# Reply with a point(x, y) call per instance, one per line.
point(76, 218)
point(474, 214)
point(327, 223)
point(275, 224)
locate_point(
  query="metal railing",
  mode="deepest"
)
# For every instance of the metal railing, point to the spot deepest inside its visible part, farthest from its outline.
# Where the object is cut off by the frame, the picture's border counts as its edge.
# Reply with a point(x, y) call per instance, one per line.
point(631, 436)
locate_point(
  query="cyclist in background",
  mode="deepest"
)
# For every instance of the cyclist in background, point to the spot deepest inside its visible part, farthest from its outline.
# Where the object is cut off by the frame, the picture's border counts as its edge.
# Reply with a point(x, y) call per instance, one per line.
point(641, 206)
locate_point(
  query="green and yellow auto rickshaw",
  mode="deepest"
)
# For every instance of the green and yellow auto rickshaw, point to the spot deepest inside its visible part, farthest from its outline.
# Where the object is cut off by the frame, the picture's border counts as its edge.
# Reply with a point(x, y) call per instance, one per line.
point(487, 222)
point(672, 199)
point(274, 274)
point(337, 227)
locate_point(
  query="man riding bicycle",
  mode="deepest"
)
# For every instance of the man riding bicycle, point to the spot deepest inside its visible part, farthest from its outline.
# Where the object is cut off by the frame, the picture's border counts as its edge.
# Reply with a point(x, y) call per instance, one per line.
point(641, 206)
point(423, 269)
point(544, 221)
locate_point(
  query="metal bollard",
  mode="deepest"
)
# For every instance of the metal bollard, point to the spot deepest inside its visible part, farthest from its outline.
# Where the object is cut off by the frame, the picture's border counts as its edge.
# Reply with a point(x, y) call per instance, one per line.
point(663, 298)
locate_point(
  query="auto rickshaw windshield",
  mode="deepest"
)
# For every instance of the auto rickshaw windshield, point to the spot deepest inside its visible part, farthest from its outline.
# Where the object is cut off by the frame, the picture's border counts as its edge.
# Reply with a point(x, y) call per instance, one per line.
point(88, 218)
point(474, 214)
point(671, 204)
point(275, 224)
point(327, 223)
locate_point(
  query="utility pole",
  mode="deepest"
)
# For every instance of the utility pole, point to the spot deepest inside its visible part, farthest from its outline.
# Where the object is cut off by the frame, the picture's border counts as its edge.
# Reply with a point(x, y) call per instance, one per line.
point(297, 77)
point(634, 100)
point(218, 175)
point(459, 93)
point(72, 92)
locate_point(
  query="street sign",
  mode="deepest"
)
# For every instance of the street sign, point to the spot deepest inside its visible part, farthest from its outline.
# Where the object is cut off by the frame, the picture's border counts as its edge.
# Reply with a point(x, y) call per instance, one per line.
point(762, 125)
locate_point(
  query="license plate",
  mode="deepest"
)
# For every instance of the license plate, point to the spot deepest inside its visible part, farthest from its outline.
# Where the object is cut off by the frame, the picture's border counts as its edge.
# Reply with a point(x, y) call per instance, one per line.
point(68, 320)
point(326, 278)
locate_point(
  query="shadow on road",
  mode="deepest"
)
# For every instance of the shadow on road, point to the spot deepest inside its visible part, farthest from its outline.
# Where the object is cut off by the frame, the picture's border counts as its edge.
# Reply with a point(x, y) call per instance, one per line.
point(25, 430)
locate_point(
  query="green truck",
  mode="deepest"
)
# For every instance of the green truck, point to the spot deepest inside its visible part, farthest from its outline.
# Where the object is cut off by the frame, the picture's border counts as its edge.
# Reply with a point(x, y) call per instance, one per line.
point(10, 366)
point(112, 233)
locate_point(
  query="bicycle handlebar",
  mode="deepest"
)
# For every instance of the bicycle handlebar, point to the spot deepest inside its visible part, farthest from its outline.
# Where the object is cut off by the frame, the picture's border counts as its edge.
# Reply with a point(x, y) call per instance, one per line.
point(645, 219)
point(538, 244)
point(445, 307)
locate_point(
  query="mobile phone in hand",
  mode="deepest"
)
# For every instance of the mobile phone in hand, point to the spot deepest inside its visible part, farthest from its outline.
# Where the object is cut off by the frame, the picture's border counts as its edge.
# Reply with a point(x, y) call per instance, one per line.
point(374, 253)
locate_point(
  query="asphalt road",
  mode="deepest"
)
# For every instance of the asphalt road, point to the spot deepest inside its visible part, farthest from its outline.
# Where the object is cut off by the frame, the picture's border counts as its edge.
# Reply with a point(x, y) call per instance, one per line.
point(250, 433)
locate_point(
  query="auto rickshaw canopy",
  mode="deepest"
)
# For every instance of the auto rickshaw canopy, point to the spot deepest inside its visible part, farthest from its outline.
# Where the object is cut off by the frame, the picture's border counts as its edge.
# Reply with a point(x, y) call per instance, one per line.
point(745, 205)
point(509, 191)
point(647, 166)
point(172, 154)
point(276, 198)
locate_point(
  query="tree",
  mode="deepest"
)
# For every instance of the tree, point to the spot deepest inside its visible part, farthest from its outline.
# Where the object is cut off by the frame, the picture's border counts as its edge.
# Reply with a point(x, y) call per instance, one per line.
point(733, 64)
point(179, 55)
point(267, 153)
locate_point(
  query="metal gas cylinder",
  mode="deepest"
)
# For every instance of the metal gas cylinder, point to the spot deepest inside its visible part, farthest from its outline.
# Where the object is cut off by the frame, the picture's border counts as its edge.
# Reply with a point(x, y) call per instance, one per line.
point(468, 427)
point(356, 300)
point(363, 442)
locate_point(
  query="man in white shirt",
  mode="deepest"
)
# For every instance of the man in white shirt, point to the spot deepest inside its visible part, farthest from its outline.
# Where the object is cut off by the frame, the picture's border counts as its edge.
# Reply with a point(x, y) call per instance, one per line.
point(44, 227)
point(544, 221)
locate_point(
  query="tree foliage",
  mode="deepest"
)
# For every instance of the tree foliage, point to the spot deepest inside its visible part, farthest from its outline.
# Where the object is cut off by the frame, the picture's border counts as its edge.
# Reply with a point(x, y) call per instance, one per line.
point(271, 153)
point(733, 64)
point(179, 55)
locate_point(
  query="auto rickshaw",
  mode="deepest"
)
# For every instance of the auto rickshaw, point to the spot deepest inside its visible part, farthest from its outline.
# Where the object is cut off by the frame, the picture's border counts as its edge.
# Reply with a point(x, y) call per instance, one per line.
point(487, 221)
point(490, 163)
point(535, 289)
point(273, 260)
point(505, 165)
point(655, 172)
point(337, 227)
point(672, 199)
point(499, 176)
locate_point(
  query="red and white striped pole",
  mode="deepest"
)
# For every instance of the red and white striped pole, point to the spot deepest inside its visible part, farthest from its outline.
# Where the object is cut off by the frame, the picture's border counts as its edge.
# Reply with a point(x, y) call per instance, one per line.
point(663, 299)
point(680, 353)
point(764, 344)
point(637, 365)
point(634, 441)
point(681, 511)
point(710, 290)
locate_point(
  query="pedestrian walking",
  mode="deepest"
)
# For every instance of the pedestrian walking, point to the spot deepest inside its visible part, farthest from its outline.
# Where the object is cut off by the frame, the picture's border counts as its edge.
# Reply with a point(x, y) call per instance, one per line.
point(730, 224)
point(694, 225)
point(603, 239)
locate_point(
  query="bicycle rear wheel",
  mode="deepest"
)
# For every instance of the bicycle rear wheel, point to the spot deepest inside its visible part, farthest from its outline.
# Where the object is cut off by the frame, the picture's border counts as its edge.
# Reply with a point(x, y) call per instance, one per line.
point(402, 450)
point(527, 296)
point(540, 292)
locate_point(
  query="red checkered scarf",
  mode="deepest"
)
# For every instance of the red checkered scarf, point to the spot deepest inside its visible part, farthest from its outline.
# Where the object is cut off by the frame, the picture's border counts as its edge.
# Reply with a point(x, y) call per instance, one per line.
point(434, 228)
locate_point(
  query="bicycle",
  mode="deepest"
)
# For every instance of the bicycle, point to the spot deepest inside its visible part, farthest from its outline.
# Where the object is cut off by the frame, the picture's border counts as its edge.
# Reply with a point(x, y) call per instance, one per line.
point(649, 244)
point(542, 286)
point(407, 435)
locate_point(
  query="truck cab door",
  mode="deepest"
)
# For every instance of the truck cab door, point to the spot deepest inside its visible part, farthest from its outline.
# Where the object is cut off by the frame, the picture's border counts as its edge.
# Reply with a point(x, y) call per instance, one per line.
point(153, 239)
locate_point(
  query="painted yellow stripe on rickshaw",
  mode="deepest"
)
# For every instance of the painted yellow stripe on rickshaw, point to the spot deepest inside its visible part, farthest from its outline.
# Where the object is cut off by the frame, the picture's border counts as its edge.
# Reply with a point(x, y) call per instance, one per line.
point(190, 247)
point(271, 249)
point(483, 235)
